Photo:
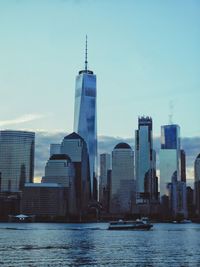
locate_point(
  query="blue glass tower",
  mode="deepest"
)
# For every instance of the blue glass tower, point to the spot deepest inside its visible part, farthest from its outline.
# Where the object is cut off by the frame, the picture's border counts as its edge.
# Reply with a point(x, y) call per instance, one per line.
point(170, 136)
point(170, 156)
point(85, 123)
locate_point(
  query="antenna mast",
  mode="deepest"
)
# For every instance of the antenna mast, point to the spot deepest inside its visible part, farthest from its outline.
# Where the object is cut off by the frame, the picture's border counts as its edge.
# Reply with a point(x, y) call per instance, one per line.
point(171, 109)
point(86, 62)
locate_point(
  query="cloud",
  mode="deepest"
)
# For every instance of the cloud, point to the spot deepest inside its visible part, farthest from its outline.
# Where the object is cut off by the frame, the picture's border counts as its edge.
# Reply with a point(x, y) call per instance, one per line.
point(21, 119)
point(191, 145)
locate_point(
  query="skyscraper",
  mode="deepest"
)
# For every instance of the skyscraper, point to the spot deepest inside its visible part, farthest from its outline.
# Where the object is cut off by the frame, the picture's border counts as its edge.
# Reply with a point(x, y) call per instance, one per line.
point(197, 169)
point(144, 159)
point(197, 184)
point(60, 169)
point(85, 123)
point(16, 159)
point(168, 166)
point(104, 183)
point(169, 155)
point(105, 165)
point(183, 165)
point(170, 136)
point(177, 197)
point(172, 169)
point(122, 181)
point(54, 149)
point(75, 147)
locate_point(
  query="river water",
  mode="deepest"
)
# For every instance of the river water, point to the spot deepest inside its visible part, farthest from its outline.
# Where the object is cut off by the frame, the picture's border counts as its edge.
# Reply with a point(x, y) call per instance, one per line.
point(48, 244)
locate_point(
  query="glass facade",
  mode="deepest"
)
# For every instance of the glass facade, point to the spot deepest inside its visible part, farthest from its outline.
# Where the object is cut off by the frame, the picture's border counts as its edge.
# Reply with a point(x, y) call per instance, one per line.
point(85, 123)
point(183, 165)
point(170, 155)
point(168, 166)
point(104, 180)
point(170, 137)
point(144, 156)
point(122, 182)
point(75, 147)
point(197, 169)
point(105, 165)
point(16, 159)
point(177, 196)
point(54, 149)
point(59, 169)
point(197, 185)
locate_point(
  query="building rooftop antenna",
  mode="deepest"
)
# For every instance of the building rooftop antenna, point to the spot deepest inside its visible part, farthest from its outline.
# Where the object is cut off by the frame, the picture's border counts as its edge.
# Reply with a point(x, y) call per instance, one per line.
point(86, 53)
point(171, 110)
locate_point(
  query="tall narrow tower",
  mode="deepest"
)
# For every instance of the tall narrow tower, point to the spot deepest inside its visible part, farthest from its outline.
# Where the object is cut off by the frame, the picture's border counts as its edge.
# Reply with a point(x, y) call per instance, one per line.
point(169, 155)
point(145, 162)
point(143, 151)
point(85, 123)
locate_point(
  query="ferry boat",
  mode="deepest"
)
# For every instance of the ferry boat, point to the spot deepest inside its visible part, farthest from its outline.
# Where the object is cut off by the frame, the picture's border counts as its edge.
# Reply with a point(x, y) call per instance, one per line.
point(139, 224)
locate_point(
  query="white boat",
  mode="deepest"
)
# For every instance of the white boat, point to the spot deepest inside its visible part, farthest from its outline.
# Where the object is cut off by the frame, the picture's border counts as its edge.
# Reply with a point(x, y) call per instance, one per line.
point(130, 225)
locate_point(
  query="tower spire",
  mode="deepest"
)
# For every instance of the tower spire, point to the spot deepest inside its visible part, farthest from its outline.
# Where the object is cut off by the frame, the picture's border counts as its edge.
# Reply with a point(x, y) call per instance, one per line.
point(86, 62)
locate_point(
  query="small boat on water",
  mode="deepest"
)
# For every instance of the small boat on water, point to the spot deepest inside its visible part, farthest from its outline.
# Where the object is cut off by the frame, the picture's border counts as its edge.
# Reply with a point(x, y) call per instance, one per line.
point(139, 224)
point(183, 221)
point(186, 221)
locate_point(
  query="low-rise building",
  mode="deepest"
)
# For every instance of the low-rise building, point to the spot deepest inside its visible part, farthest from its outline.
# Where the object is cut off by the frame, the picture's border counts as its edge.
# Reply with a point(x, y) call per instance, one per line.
point(44, 199)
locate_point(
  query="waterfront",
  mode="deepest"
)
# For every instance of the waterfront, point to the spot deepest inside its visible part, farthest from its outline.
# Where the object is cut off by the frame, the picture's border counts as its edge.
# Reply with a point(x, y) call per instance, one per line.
point(48, 244)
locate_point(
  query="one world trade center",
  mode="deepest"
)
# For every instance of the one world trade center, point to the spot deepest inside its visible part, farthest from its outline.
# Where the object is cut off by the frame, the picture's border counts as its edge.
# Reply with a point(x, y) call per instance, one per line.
point(85, 122)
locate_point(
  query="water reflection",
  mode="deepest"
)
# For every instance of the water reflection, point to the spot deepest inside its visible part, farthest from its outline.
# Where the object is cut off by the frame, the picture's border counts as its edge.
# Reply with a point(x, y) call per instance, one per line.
point(84, 246)
point(92, 245)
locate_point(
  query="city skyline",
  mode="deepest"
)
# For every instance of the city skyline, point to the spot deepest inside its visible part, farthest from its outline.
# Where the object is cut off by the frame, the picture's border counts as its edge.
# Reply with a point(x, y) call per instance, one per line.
point(106, 145)
point(145, 74)
point(99, 131)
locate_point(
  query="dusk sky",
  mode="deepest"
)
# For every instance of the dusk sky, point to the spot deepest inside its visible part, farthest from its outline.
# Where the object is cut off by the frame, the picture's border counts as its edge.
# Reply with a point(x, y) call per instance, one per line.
point(145, 54)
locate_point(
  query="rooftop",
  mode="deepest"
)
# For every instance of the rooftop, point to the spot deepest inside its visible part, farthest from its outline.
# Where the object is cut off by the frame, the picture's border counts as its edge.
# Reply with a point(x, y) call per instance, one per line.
point(60, 157)
point(122, 146)
point(73, 136)
point(42, 185)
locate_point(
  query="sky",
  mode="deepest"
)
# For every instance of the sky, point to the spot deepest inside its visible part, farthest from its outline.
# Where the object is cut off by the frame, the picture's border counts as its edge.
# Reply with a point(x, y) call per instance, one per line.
point(145, 54)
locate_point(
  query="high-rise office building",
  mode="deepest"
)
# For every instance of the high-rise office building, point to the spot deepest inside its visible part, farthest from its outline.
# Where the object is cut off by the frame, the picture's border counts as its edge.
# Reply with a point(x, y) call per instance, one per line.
point(59, 169)
point(190, 201)
point(122, 182)
point(197, 169)
point(16, 159)
point(169, 155)
point(172, 170)
point(75, 147)
point(105, 168)
point(183, 165)
point(177, 197)
point(144, 160)
point(54, 149)
point(85, 123)
point(170, 136)
point(197, 185)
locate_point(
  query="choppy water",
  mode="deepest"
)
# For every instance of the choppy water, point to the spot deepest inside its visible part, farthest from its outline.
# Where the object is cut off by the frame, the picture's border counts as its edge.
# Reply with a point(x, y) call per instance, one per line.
point(46, 244)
